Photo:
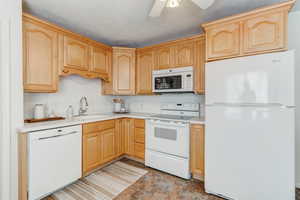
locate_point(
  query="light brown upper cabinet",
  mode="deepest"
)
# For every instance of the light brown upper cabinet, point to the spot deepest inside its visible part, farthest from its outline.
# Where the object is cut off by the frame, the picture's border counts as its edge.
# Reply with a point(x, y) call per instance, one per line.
point(39, 57)
point(164, 57)
point(199, 66)
point(83, 57)
point(101, 59)
point(264, 32)
point(184, 54)
point(259, 31)
point(145, 65)
point(123, 71)
point(76, 54)
point(223, 41)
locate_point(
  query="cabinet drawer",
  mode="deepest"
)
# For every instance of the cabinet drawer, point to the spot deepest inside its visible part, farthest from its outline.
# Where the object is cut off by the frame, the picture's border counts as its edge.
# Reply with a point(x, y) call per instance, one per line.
point(139, 150)
point(139, 123)
point(98, 126)
point(139, 135)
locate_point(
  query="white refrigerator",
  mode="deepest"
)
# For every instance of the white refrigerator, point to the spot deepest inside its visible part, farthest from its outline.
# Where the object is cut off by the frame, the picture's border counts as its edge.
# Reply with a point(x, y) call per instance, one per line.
point(249, 133)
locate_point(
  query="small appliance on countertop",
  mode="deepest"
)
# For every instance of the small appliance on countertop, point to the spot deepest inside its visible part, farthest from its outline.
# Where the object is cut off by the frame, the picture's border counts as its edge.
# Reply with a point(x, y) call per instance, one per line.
point(119, 106)
point(168, 139)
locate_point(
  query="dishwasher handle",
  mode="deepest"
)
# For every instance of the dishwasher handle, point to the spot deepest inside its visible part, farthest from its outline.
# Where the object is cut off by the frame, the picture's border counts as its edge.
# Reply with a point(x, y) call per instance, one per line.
point(55, 136)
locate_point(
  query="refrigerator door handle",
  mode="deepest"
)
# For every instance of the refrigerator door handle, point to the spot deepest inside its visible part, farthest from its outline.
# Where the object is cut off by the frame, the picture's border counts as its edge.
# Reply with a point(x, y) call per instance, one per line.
point(267, 105)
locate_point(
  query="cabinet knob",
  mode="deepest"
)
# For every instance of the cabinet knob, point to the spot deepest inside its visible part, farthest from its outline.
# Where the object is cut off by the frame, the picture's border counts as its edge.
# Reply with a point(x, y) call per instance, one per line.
point(65, 71)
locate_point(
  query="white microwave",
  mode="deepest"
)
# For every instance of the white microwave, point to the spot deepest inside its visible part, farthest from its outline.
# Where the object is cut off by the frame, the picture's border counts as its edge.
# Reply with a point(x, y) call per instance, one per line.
point(173, 80)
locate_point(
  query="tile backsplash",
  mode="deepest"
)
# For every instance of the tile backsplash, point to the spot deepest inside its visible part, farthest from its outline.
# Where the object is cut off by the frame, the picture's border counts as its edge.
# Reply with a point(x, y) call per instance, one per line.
point(151, 104)
point(72, 88)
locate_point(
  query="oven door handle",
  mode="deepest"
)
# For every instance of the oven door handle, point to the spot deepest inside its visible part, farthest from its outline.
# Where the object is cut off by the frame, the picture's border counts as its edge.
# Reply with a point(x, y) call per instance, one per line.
point(168, 122)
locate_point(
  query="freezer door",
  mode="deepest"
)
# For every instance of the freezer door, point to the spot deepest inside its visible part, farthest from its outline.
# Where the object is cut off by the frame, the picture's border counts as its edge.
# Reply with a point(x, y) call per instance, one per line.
point(249, 152)
point(267, 78)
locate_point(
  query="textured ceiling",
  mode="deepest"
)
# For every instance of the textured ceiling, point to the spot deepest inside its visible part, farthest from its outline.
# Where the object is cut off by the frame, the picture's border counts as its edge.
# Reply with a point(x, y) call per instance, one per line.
point(126, 22)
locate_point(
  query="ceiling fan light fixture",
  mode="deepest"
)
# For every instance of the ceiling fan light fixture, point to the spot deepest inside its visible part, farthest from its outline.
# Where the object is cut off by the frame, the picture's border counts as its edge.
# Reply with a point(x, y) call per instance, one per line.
point(173, 3)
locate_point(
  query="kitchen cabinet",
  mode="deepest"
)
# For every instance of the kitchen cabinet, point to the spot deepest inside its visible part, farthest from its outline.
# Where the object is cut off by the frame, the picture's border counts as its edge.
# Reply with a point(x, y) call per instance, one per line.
point(139, 138)
point(264, 32)
point(91, 151)
point(164, 57)
point(144, 68)
point(98, 144)
point(101, 61)
point(83, 57)
point(123, 73)
point(184, 54)
point(129, 136)
point(108, 145)
point(39, 57)
point(223, 41)
point(178, 53)
point(119, 137)
point(199, 66)
point(259, 31)
point(76, 54)
point(197, 151)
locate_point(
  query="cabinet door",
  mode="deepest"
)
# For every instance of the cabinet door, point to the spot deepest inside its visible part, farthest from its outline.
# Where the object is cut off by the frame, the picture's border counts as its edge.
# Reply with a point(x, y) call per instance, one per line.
point(108, 145)
point(99, 60)
point(139, 150)
point(91, 147)
point(197, 150)
point(184, 54)
point(144, 69)
point(164, 58)
point(129, 136)
point(265, 33)
point(223, 41)
point(199, 67)
point(120, 138)
point(40, 58)
point(76, 54)
point(124, 71)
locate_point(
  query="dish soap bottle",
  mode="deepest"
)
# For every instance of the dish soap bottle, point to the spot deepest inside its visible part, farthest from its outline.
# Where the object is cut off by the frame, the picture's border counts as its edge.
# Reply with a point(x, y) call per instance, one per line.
point(70, 112)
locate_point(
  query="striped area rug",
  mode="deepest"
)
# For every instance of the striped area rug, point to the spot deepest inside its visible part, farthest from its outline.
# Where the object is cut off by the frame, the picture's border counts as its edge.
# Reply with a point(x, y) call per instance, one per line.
point(104, 184)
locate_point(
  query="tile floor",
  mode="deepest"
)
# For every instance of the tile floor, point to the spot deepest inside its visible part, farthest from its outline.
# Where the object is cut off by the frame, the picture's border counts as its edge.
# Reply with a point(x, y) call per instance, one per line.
point(156, 185)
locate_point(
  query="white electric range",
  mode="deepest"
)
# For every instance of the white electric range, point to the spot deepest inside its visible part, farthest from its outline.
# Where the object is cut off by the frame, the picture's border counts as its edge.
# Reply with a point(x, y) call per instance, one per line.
point(168, 139)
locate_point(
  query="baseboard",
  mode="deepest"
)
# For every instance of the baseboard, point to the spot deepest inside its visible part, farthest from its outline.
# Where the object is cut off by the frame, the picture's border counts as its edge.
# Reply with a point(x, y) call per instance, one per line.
point(298, 185)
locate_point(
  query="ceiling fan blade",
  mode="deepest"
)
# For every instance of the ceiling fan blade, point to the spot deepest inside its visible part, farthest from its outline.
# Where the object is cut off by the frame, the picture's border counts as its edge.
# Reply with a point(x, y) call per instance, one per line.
point(204, 4)
point(157, 8)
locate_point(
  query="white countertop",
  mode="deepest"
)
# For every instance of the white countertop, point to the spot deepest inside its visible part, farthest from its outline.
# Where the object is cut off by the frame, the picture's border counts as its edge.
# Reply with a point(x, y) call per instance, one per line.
point(31, 127)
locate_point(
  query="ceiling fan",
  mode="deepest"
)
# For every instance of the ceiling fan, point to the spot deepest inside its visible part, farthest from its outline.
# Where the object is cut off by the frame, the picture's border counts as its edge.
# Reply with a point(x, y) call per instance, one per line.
point(160, 4)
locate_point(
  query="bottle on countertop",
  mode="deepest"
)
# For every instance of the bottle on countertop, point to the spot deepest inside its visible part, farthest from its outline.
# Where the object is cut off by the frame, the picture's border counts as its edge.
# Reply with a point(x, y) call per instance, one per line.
point(70, 113)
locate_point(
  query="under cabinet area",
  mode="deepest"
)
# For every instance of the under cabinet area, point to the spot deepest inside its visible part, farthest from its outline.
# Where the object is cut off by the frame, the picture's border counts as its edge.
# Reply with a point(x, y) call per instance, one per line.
point(197, 146)
point(259, 31)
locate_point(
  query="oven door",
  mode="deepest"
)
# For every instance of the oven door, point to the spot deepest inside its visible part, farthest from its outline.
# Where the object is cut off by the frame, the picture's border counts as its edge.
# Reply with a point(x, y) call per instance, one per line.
point(168, 137)
point(168, 83)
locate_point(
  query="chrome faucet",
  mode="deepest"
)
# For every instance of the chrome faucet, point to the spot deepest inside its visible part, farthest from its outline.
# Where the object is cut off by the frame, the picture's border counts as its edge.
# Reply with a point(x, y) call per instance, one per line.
point(83, 106)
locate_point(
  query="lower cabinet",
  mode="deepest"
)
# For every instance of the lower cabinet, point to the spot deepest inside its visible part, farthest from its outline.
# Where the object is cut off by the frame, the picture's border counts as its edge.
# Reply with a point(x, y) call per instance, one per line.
point(105, 141)
point(98, 145)
point(197, 150)
point(91, 151)
point(139, 138)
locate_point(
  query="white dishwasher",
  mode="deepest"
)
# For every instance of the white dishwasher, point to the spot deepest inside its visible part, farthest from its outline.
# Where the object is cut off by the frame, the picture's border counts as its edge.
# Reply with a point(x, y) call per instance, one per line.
point(54, 160)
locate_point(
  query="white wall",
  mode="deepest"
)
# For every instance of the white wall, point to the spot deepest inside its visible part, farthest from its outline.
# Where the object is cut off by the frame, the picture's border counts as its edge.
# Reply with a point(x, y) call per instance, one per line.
point(71, 89)
point(294, 43)
point(151, 104)
point(11, 95)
